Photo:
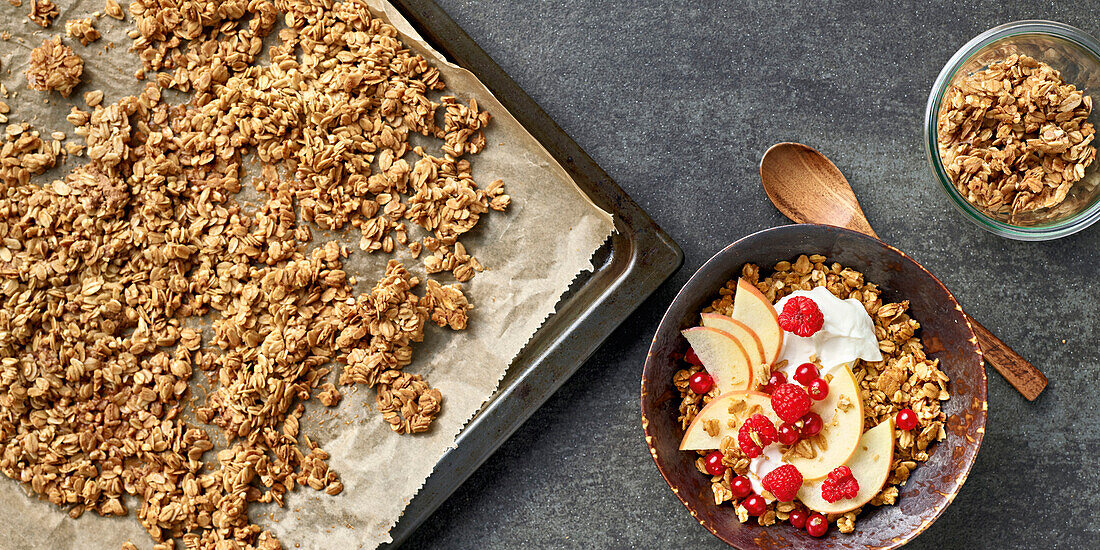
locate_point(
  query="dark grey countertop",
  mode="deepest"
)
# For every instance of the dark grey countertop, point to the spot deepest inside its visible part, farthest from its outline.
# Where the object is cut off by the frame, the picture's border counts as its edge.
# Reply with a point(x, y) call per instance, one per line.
point(677, 103)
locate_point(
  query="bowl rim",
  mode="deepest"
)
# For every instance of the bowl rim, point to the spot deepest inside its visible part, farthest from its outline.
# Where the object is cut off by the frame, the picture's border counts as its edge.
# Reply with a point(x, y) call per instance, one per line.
point(983, 393)
point(1061, 228)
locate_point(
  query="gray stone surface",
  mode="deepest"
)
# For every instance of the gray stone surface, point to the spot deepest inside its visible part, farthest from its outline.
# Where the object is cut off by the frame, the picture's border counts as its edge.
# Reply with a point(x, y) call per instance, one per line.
point(677, 103)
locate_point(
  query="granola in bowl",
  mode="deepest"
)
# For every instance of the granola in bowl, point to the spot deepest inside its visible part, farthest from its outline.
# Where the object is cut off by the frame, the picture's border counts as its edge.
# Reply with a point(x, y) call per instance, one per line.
point(811, 443)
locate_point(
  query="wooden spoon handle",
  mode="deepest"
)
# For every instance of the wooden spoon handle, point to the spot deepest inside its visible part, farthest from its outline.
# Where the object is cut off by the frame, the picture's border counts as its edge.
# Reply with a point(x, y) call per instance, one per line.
point(1018, 371)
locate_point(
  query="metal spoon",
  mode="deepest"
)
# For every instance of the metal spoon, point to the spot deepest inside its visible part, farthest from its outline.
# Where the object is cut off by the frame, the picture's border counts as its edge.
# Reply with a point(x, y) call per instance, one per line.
point(808, 188)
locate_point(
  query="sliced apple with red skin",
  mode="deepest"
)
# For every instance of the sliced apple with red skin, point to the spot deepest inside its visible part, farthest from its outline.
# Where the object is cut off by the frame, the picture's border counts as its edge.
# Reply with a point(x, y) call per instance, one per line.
point(757, 312)
point(723, 356)
point(729, 411)
point(870, 466)
point(842, 418)
point(740, 331)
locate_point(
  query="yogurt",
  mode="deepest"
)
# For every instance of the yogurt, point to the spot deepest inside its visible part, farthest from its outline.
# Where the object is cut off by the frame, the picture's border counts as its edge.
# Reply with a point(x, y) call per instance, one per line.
point(848, 334)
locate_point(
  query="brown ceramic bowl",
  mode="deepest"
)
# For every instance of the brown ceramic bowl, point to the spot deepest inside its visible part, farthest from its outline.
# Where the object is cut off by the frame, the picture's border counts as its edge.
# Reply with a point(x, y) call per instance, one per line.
point(947, 336)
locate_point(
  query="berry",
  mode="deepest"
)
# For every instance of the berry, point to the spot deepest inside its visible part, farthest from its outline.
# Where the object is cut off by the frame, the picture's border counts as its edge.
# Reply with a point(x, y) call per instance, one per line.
point(713, 462)
point(797, 518)
point(818, 389)
point(801, 316)
point(774, 381)
point(839, 485)
point(788, 434)
point(906, 419)
point(690, 357)
point(790, 402)
point(817, 525)
point(805, 373)
point(783, 482)
point(740, 486)
point(765, 435)
point(755, 505)
point(811, 425)
point(700, 382)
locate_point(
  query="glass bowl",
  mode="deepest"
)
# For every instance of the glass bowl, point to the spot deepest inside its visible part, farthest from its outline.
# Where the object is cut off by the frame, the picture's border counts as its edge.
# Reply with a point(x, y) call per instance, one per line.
point(1077, 56)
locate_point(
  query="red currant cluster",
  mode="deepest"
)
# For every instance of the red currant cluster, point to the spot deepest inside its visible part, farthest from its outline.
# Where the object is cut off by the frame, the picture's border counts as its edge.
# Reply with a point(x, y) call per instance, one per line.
point(740, 486)
point(792, 403)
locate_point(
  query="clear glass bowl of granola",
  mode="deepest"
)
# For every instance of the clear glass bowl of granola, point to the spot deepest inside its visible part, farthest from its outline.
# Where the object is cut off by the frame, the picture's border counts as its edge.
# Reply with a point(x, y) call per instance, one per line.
point(875, 476)
point(1009, 130)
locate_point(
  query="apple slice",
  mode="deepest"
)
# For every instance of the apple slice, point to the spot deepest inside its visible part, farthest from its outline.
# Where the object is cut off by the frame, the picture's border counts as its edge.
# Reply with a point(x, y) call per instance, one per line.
point(740, 331)
point(727, 411)
point(723, 356)
point(842, 418)
point(757, 312)
point(870, 466)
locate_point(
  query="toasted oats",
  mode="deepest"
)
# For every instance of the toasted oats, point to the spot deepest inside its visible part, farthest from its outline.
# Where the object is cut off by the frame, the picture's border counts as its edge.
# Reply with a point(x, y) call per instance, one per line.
point(83, 30)
point(114, 10)
point(1015, 137)
point(54, 66)
point(128, 253)
point(43, 12)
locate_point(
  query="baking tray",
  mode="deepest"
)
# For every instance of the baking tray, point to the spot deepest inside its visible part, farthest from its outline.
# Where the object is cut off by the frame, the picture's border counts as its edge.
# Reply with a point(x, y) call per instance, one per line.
point(637, 258)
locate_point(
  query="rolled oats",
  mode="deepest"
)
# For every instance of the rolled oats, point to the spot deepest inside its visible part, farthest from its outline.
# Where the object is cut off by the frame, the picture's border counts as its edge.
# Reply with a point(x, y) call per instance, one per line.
point(1015, 136)
point(107, 273)
point(54, 66)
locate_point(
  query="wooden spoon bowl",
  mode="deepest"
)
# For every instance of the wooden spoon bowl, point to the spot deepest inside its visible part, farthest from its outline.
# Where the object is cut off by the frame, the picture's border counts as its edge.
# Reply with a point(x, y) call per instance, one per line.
point(947, 336)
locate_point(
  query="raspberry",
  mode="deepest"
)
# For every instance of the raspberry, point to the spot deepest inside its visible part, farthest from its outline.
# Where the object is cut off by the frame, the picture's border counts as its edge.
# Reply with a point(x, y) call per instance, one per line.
point(764, 430)
point(801, 316)
point(790, 402)
point(840, 484)
point(783, 482)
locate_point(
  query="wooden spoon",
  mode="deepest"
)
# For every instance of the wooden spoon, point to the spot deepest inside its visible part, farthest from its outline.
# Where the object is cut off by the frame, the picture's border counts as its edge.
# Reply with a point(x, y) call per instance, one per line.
point(808, 188)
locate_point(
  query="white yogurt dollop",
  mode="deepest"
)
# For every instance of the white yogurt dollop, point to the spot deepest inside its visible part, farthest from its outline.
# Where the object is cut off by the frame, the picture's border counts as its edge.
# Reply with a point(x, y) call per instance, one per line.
point(848, 334)
point(763, 465)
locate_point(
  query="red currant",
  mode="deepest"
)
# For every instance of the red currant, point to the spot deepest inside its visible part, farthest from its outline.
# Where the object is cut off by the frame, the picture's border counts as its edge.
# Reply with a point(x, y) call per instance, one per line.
point(690, 357)
point(788, 434)
point(797, 518)
point(818, 389)
point(811, 424)
point(700, 382)
point(805, 373)
point(817, 525)
point(774, 380)
point(740, 486)
point(755, 505)
point(714, 464)
point(906, 419)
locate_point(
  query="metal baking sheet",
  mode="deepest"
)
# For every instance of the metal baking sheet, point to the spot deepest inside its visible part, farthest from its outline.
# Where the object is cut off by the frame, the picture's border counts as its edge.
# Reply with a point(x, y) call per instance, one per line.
point(637, 258)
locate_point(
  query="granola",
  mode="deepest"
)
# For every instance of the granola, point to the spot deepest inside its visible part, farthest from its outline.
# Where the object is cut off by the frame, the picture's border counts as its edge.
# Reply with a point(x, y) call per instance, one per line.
point(906, 378)
point(83, 30)
point(134, 276)
point(1015, 136)
point(54, 66)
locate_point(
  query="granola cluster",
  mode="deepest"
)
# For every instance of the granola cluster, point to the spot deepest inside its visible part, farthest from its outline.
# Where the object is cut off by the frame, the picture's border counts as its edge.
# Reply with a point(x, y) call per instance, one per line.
point(43, 12)
point(1015, 137)
point(143, 266)
point(83, 30)
point(905, 378)
point(54, 66)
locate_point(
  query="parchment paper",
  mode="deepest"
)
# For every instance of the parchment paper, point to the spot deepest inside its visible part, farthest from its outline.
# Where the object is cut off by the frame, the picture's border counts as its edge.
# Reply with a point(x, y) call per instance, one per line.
point(532, 253)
